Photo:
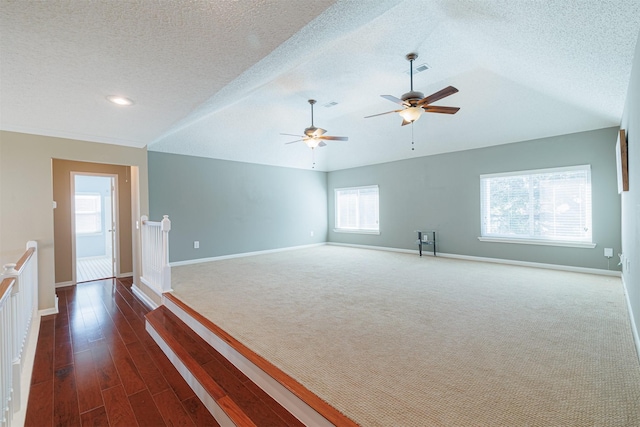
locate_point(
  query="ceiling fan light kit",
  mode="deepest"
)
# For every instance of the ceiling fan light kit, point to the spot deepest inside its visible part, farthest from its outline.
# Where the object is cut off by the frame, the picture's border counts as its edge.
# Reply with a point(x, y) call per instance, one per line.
point(411, 114)
point(415, 103)
point(314, 137)
point(312, 142)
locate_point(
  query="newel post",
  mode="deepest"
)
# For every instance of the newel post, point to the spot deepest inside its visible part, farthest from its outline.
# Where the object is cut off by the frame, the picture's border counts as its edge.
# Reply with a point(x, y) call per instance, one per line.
point(165, 226)
point(144, 249)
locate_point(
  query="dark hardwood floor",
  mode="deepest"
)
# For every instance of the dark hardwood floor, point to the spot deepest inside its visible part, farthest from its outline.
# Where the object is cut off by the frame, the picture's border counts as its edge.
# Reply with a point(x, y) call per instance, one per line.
point(95, 365)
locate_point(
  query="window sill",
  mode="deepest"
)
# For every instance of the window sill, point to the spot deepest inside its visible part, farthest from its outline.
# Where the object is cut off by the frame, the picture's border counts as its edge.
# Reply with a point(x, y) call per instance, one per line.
point(344, 230)
point(584, 245)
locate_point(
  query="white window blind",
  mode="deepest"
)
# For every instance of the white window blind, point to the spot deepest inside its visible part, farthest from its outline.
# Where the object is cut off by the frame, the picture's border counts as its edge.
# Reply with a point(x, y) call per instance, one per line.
point(88, 213)
point(546, 204)
point(357, 209)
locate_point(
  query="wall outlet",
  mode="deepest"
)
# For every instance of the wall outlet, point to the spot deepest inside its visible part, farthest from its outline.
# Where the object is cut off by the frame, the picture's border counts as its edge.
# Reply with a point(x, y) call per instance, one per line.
point(312, 234)
point(196, 244)
point(608, 252)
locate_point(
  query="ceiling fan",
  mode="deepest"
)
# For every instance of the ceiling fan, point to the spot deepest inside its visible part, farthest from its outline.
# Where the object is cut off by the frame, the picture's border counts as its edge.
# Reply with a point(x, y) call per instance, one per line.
point(415, 103)
point(313, 136)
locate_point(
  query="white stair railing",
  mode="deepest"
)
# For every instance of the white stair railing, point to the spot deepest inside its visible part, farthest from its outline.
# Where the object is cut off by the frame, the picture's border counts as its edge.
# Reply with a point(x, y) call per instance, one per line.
point(18, 307)
point(156, 272)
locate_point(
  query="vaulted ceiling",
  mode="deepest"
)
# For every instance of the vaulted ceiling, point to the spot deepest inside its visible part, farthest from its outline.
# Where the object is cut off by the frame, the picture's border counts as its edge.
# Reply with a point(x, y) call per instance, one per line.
point(224, 79)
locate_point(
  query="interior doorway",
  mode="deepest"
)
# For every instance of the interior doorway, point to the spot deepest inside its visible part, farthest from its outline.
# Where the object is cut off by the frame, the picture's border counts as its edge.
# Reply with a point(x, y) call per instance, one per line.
point(94, 226)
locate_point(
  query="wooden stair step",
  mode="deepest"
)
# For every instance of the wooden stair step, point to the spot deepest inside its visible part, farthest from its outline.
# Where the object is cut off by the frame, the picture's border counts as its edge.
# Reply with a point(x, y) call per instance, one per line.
point(240, 399)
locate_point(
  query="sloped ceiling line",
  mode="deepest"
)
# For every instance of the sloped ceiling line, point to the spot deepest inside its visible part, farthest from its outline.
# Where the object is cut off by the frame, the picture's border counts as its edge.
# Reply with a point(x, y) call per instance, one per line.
point(224, 79)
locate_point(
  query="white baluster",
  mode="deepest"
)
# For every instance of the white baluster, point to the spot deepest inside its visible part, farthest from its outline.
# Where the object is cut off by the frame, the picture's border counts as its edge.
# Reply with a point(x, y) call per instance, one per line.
point(156, 272)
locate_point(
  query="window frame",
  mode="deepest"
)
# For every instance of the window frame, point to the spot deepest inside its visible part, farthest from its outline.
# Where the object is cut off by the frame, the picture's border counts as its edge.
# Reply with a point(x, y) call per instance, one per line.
point(94, 213)
point(355, 230)
point(532, 240)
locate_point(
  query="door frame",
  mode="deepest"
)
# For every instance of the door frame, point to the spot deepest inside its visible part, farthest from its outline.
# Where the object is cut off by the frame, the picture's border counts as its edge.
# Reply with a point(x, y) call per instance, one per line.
point(115, 206)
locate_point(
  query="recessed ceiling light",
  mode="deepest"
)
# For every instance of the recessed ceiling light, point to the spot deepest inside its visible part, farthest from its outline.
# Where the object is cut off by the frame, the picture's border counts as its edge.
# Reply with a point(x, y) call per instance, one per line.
point(120, 100)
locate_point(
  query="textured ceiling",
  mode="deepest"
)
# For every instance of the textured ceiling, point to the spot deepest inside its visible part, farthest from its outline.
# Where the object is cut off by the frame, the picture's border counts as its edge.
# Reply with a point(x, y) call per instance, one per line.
point(223, 79)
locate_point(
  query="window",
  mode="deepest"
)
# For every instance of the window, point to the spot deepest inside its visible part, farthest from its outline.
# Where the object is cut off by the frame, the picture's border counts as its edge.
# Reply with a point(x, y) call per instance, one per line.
point(357, 209)
point(546, 206)
point(88, 213)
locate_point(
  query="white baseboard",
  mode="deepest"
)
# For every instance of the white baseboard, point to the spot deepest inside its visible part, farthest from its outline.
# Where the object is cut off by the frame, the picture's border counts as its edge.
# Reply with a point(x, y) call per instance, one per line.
point(378, 248)
point(49, 311)
point(587, 270)
point(493, 260)
point(65, 284)
point(123, 275)
point(535, 264)
point(241, 255)
point(634, 328)
point(150, 286)
point(143, 297)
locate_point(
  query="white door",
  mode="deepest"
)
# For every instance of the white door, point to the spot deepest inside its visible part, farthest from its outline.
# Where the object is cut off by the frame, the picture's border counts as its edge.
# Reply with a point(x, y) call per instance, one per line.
point(94, 220)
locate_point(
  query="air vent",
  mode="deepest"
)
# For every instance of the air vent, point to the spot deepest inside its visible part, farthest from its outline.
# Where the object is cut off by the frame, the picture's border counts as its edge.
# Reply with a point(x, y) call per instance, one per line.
point(419, 68)
point(330, 104)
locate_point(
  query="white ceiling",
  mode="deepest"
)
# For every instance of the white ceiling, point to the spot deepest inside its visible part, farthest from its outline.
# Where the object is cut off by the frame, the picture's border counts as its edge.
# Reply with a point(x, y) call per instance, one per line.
point(223, 79)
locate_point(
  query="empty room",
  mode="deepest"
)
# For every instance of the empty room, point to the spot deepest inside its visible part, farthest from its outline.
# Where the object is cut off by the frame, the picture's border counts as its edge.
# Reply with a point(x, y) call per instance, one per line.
point(320, 212)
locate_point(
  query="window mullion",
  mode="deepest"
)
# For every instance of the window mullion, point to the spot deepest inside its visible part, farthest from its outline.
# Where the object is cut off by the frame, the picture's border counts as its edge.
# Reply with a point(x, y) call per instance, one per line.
point(546, 204)
point(357, 209)
point(532, 208)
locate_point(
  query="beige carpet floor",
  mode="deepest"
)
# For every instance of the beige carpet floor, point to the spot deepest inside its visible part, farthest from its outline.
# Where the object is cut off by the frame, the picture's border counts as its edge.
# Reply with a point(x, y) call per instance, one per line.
point(392, 339)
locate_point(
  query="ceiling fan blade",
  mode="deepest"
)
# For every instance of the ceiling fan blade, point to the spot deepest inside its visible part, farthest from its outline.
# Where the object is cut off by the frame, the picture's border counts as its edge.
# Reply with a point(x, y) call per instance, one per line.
point(297, 140)
point(405, 122)
point(322, 144)
point(396, 100)
point(319, 132)
point(382, 114)
point(438, 109)
point(334, 138)
point(449, 90)
point(291, 134)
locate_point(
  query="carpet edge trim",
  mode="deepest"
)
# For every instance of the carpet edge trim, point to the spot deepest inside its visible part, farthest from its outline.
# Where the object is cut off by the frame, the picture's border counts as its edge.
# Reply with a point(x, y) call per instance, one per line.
point(242, 255)
point(574, 269)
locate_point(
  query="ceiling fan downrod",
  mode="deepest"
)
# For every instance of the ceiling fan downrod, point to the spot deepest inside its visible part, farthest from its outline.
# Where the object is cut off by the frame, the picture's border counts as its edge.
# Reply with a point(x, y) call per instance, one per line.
point(411, 57)
point(312, 101)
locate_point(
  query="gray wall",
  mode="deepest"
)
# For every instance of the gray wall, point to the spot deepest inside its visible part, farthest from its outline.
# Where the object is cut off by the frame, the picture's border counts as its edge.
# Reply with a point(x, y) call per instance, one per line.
point(442, 193)
point(233, 207)
point(631, 198)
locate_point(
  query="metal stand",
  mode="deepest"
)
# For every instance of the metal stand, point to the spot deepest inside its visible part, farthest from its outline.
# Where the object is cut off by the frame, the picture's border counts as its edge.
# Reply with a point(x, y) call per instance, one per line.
point(426, 238)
